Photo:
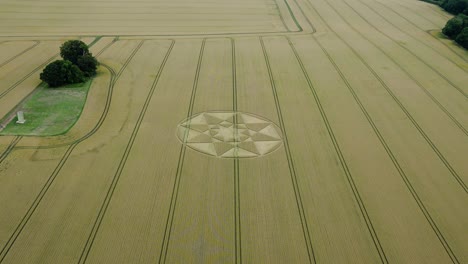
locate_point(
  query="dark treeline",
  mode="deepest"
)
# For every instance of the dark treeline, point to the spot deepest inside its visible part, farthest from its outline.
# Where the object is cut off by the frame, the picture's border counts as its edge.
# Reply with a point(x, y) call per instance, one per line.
point(455, 6)
point(452, 6)
point(457, 27)
point(78, 64)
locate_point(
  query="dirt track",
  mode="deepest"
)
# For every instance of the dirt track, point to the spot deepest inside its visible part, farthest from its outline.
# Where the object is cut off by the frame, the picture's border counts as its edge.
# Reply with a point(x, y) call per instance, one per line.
point(371, 105)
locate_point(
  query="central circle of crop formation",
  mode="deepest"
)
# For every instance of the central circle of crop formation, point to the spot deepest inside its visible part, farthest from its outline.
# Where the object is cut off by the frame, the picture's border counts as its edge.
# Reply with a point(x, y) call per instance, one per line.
point(230, 134)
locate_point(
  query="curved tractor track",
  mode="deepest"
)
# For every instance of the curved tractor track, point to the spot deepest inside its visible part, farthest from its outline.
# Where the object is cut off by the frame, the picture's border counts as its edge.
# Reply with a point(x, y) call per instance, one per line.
point(288, 131)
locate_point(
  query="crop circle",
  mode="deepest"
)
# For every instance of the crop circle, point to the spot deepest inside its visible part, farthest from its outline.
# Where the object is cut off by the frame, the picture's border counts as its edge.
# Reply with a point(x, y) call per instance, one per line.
point(230, 134)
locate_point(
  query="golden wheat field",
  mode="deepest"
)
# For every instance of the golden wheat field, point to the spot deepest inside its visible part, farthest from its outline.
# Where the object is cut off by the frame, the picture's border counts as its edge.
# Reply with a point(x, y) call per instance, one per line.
point(260, 131)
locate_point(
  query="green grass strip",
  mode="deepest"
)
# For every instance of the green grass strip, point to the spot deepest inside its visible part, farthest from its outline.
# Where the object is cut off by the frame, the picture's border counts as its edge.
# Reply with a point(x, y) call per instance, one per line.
point(50, 111)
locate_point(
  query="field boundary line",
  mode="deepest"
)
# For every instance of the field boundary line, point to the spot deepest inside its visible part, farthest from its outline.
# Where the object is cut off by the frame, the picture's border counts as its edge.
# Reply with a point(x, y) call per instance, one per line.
point(403, 108)
point(6, 248)
point(396, 42)
point(415, 13)
point(393, 158)
point(21, 53)
point(113, 77)
point(410, 7)
point(238, 236)
point(429, 6)
point(441, 107)
point(289, 10)
point(343, 163)
point(455, 44)
point(427, 31)
point(402, 31)
point(46, 186)
point(115, 180)
point(237, 210)
point(11, 114)
point(89, 134)
point(297, 194)
point(10, 148)
point(180, 164)
point(305, 16)
point(281, 16)
point(149, 35)
point(423, 30)
point(96, 39)
point(293, 17)
point(13, 86)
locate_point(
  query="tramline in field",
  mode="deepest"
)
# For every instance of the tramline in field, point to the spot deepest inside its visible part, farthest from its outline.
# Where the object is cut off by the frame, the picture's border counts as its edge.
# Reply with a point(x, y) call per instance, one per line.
point(297, 131)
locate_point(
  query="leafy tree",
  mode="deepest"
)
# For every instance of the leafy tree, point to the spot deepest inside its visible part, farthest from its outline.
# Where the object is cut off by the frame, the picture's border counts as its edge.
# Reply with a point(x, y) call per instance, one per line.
point(457, 27)
point(462, 38)
point(453, 27)
point(73, 49)
point(455, 6)
point(88, 64)
point(61, 72)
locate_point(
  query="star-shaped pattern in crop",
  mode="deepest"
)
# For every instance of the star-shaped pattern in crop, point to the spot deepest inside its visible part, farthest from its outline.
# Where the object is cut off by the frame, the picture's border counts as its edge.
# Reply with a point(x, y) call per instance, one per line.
point(230, 134)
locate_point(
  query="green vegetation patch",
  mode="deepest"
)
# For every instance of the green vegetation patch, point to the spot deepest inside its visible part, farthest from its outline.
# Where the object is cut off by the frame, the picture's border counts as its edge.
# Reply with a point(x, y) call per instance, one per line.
point(457, 29)
point(50, 112)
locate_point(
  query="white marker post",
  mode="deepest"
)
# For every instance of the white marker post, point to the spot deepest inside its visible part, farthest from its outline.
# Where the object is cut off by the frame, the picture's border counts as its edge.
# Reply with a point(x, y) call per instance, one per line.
point(21, 119)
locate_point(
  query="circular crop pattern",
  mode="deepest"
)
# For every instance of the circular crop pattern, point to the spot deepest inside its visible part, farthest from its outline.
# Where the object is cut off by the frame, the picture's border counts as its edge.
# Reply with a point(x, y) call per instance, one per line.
point(229, 134)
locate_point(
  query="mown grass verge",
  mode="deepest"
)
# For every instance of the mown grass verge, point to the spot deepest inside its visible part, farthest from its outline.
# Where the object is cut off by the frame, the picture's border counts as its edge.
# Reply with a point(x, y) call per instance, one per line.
point(50, 111)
